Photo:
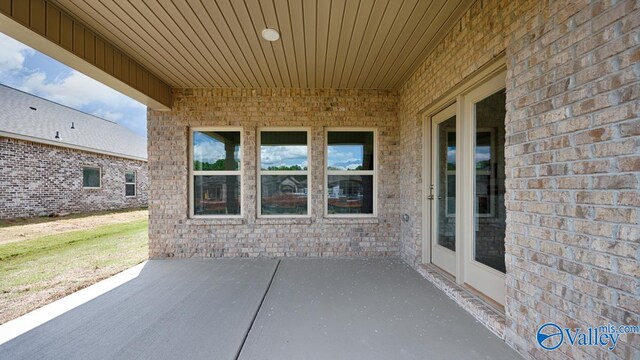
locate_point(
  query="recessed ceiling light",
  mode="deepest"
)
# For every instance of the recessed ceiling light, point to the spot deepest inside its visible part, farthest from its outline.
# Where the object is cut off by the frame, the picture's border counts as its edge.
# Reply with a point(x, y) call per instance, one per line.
point(270, 34)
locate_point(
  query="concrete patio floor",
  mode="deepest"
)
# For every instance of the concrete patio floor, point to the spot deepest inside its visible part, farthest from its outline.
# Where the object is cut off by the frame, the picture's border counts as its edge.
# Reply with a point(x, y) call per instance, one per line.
point(265, 309)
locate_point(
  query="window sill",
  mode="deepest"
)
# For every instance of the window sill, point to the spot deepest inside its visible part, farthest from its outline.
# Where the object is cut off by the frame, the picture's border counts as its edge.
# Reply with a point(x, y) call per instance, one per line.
point(350, 220)
point(214, 221)
point(284, 221)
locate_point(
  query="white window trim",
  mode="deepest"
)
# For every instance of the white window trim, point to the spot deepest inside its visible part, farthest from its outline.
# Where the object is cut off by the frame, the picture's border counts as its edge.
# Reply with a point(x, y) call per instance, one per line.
point(99, 177)
point(373, 172)
point(193, 173)
point(134, 183)
point(261, 172)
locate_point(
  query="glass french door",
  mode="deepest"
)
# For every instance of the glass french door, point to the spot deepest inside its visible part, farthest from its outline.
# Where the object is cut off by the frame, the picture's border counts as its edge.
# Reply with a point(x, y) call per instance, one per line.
point(442, 194)
point(484, 228)
point(465, 204)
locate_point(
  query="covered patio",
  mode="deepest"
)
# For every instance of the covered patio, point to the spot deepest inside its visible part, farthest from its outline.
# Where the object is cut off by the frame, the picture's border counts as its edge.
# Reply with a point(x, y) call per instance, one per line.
point(490, 146)
point(265, 309)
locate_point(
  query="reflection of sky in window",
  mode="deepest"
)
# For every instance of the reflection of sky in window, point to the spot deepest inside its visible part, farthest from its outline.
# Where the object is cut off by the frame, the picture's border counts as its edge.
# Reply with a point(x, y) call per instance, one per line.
point(451, 155)
point(483, 153)
point(345, 157)
point(209, 150)
point(288, 155)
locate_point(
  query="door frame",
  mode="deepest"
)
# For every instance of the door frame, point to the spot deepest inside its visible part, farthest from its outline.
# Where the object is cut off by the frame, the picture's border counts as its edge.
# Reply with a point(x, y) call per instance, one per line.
point(453, 96)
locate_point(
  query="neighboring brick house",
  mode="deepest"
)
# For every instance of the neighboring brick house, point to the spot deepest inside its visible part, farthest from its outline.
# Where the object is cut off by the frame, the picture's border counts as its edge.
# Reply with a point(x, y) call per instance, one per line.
point(55, 159)
point(500, 158)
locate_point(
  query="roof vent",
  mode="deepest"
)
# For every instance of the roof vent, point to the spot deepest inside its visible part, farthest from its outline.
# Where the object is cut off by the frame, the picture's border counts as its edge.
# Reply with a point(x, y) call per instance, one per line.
point(73, 126)
point(32, 108)
point(57, 135)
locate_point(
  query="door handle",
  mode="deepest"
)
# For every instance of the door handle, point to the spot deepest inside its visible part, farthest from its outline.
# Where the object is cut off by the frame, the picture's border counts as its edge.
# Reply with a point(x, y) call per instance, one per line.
point(430, 197)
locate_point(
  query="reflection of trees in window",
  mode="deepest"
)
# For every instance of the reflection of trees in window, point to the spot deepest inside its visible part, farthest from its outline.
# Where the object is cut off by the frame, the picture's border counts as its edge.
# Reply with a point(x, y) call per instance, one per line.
point(283, 183)
point(350, 181)
point(216, 183)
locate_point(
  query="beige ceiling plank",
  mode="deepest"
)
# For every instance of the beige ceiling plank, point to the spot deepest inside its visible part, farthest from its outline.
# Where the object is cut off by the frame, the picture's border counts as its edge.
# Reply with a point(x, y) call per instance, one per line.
point(363, 21)
point(252, 38)
point(202, 12)
point(94, 17)
point(271, 21)
point(346, 34)
point(411, 25)
point(310, 16)
point(222, 69)
point(240, 39)
point(286, 37)
point(219, 21)
point(375, 38)
point(259, 21)
point(322, 35)
point(398, 25)
point(296, 16)
point(149, 37)
point(431, 22)
point(429, 44)
point(164, 20)
point(333, 39)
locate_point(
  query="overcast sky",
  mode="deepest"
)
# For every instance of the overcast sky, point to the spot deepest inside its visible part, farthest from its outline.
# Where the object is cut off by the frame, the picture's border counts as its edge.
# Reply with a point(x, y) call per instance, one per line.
point(23, 68)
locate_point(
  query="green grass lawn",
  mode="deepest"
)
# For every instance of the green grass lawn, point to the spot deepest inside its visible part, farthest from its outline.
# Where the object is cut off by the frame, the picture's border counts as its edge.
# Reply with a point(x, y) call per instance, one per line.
point(38, 271)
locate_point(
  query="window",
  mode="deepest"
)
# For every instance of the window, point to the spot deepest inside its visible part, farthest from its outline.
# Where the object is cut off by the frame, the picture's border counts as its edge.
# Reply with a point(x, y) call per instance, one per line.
point(351, 173)
point(215, 172)
point(283, 173)
point(91, 177)
point(130, 183)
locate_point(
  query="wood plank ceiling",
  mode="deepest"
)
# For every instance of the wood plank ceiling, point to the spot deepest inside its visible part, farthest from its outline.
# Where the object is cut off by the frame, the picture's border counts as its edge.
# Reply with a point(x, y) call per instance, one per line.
point(363, 44)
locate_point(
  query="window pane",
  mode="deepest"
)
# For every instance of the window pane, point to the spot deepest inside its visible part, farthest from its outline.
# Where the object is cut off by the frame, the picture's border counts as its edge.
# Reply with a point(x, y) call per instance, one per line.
point(483, 151)
point(216, 150)
point(489, 208)
point(216, 195)
point(90, 177)
point(130, 177)
point(445, 176)
point(283, 150)
point(284, 195)
point(350, 194)
point(350, 150)
point(130, 190)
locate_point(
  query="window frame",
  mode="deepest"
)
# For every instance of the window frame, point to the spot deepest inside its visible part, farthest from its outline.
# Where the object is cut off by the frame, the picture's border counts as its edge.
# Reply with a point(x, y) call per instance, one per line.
point(134, 183)
point(260, 172)
point(193, 173)
point(99, 177)
point(373, 172)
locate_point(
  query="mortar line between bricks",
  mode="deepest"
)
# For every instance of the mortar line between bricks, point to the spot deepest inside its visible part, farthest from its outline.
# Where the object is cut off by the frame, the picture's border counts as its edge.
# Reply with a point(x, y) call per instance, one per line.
point(255, 315)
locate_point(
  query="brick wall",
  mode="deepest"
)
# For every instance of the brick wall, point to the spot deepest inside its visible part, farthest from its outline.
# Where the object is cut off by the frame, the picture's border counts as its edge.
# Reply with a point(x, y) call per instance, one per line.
point(572, 159)
point(38, 180)
point(172, 233)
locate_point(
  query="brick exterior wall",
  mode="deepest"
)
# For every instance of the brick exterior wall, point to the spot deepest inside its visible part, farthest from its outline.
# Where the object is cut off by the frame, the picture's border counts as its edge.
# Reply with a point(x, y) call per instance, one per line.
point(39, 180)
point(172, 233)
point(572, 160)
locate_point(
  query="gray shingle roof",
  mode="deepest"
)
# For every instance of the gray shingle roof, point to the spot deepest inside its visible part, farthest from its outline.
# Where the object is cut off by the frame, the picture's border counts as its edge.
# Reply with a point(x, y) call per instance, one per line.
point(91, 133)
